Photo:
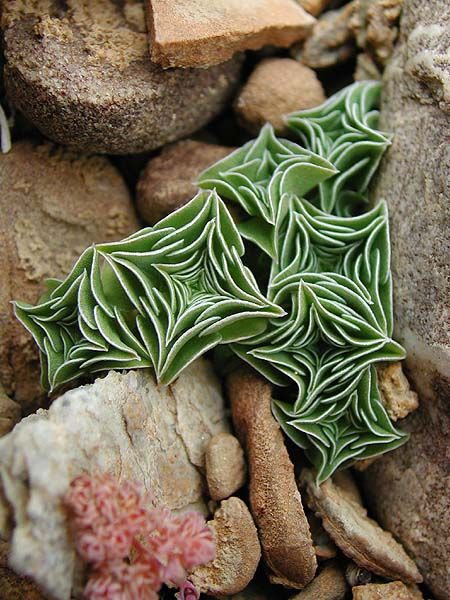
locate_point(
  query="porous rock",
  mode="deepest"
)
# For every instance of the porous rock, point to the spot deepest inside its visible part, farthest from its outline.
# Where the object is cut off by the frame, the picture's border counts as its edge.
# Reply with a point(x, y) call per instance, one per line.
point(123, 424)
point(409, 489)
point(225, 466)
point(331, 41)
point(275, 501)
point(277, 87)
point(199, 33)
point(396, 590)
point(397, 396)
point(237, 551)
point(359, 537)
point(81, 73)
point(329, 584)
point(54, 204)
point(168, 180)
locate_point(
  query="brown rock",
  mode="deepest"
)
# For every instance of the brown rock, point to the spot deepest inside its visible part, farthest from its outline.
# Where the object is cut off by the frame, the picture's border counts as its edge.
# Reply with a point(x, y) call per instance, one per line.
point(396, 395)
point(237, 551)
point(329, 584)
point(225, 466)
point(314, 7)
point(168, 180)
point(275, 501)
point(81, 73)
point(10, 412)
point(277, 87)
point(12, 586)
point(331, 41)
point(199, 33)
point(324, 547)
point(366, 68)
point(409, 489)
point(386, 591)
point(53, 205)
point(359, 537)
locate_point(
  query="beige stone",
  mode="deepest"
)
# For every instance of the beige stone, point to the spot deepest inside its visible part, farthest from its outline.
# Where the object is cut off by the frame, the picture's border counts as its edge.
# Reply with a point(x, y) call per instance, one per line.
point(397, 396)
point(314, 7)
point(225, 466)
point(199, 33)
point(386, 591)
point(237, 551)
point(359, 537)
point(168, 180)
point(53, 205)
point(329, 584)
point(275, 501)
point(277, 87)
point(123, 424)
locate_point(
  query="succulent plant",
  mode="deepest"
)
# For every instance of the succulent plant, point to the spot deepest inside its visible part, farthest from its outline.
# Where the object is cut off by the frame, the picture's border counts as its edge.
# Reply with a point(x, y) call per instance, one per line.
point(169, 293)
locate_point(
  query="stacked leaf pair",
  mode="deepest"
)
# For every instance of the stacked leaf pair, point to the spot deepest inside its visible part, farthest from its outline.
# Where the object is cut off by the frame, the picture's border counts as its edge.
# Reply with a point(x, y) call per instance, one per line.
point(167, 294)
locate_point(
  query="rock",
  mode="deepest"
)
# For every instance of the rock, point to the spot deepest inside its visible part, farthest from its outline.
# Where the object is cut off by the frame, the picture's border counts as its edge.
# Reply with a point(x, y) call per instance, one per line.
point(314, 7)
point(409, 489)
point(122, 424)
point(396, 395)
point(83, 76)
point(366, 69)
point(168, 180)
point(225, 466)
point(12, 586)
point(277, 87)
point(329, 584)
point(359, 537)
point(275, 501)
point(10, 412)
point(199, 33)
point(331, 41)
point(356, 575)
point(54, 204)
point(238, 551)
point(323, 544)
point(386, 591)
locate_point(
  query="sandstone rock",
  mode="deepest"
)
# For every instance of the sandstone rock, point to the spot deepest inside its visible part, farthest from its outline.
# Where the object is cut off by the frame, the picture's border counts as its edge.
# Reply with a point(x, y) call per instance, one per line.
point(275, 501)
point(123, 424)
point(81, 73)
point(54, 204)
point(396, 395)
point(238, 551)
point(329, 584)
point(331, 41)
point(386, 591)
point(409, 489)
point(314, 7)
point(277, 87)
point(225, 466)
point(168, 180)
point(198, 33)
point(12, 586)
point(359, 537)
point(10, 412)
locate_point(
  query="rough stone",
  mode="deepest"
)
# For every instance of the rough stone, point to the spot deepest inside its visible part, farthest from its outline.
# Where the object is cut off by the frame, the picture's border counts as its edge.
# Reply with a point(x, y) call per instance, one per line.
point(409, 489)
point(331, 41)
point(122, 424)
point(168, 180)
point(329, 584)
point(277, 87)
point(54, 204)
point(386, 591)
point(199, 33)
point(81, 73)
point(396, 395)
point(237, 551)
point(275, 501)
point(359, 537)
point(225, 466)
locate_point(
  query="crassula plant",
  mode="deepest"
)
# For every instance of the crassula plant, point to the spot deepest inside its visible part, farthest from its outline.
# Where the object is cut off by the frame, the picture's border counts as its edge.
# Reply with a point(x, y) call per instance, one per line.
point(313, 314)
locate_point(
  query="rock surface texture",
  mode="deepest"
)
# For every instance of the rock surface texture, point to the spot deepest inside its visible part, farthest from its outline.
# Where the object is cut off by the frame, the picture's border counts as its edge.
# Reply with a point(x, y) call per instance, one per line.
point(80, 71)
point(225, 466)
point(410, 488)
point(199, 33)
point(123, 424)
point(53, 205)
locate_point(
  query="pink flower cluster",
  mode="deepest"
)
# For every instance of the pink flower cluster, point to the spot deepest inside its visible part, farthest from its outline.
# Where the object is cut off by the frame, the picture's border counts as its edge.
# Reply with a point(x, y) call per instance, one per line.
point(132, 546)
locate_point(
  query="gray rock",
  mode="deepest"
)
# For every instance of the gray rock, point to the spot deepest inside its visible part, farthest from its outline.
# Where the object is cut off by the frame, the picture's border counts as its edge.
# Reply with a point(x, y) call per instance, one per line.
point(410, 488)
point(124, 424)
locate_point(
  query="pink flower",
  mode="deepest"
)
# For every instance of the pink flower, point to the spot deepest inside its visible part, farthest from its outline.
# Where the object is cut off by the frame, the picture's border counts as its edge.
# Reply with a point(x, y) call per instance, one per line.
point(122, 581)
point(187, 591)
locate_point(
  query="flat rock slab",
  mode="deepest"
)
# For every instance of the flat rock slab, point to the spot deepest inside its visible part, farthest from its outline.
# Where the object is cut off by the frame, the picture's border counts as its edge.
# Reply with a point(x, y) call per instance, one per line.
point(200, 33)
point(123, 424)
